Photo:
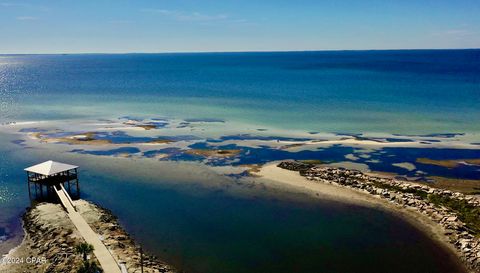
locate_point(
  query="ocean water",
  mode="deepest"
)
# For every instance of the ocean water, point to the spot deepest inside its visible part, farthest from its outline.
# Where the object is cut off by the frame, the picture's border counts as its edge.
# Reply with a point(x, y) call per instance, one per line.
point(232, 227)
point(205, 222)
point(340, 91)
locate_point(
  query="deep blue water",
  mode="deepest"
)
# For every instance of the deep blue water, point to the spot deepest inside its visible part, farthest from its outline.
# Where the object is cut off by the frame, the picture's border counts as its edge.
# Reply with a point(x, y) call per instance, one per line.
point(404, 92)
point(415, 91)
point(202, 230)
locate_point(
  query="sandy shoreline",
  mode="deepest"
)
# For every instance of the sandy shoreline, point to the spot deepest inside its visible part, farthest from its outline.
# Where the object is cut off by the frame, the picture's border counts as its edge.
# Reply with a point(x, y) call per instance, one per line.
point(50, 237)
point(292, 180)
point(283, 179)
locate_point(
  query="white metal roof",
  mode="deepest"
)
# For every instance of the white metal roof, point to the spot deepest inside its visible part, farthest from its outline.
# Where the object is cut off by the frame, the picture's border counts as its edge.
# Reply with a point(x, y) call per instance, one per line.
point(50, 167)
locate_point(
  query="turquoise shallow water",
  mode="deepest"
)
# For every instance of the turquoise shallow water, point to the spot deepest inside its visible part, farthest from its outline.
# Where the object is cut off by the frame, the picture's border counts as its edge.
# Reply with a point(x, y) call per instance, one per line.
point(353, 91)
point(212, 229)
point(232, 227)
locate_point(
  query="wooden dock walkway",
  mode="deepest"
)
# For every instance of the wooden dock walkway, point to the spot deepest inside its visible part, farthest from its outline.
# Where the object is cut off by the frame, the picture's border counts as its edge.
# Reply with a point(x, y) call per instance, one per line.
point(107, 262)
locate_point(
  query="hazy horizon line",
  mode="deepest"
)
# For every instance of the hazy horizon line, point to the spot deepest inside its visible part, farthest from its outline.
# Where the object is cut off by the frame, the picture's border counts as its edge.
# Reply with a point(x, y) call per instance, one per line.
point(234, 51)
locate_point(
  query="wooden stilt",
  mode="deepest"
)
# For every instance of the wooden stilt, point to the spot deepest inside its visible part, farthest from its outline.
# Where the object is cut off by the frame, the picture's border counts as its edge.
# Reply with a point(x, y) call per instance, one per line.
point(29, 193)
point(78, 190)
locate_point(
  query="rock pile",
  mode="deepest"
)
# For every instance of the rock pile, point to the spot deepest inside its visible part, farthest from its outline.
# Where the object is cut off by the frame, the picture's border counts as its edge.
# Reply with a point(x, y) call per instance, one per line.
point(408, 195)
point(49, 243)
point(118, 241)
point(51, 239)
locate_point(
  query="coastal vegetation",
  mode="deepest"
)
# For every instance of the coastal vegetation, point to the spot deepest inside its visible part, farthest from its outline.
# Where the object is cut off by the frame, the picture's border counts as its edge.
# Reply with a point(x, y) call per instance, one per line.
point(466, 186)
point(458, 214)
point(51, 234)
point(469, 214)
point(94, 138)
point(449, 163)
point(89, 267)
point(84, 249)
point(214, 152)
point(311, 161)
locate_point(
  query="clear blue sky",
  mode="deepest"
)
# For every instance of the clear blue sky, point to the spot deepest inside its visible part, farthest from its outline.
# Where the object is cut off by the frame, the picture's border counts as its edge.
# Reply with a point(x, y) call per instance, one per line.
point(35, 26)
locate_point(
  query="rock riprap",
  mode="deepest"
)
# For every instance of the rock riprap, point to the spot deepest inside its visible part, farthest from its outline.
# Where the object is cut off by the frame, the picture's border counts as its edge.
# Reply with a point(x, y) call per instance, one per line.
point(51, 238)
point(458, 214)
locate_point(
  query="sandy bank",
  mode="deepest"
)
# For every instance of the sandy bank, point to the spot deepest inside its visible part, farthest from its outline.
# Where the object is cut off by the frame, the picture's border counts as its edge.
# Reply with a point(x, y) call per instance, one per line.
point(292, 180)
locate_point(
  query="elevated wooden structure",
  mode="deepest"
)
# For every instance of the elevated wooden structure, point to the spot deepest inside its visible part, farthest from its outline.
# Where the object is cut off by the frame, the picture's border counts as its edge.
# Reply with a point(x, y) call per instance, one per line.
point(60, 180)
point(42, 179)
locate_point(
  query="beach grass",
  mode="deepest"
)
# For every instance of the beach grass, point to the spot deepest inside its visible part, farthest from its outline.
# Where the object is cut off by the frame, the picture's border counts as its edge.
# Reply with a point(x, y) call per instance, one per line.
point(312, 161)
point(448, 163)
point(467, 213)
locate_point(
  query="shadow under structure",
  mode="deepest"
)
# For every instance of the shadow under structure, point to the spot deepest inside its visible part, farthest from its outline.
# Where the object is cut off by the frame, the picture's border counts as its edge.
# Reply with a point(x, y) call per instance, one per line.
point(44, 177)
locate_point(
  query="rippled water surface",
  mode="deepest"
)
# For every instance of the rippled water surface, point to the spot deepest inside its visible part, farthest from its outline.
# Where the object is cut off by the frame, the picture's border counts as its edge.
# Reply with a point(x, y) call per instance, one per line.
point(204, 222)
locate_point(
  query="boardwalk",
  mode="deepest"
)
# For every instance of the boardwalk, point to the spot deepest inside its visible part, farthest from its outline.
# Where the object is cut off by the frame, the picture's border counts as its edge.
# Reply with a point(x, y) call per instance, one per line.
point(107, 262)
